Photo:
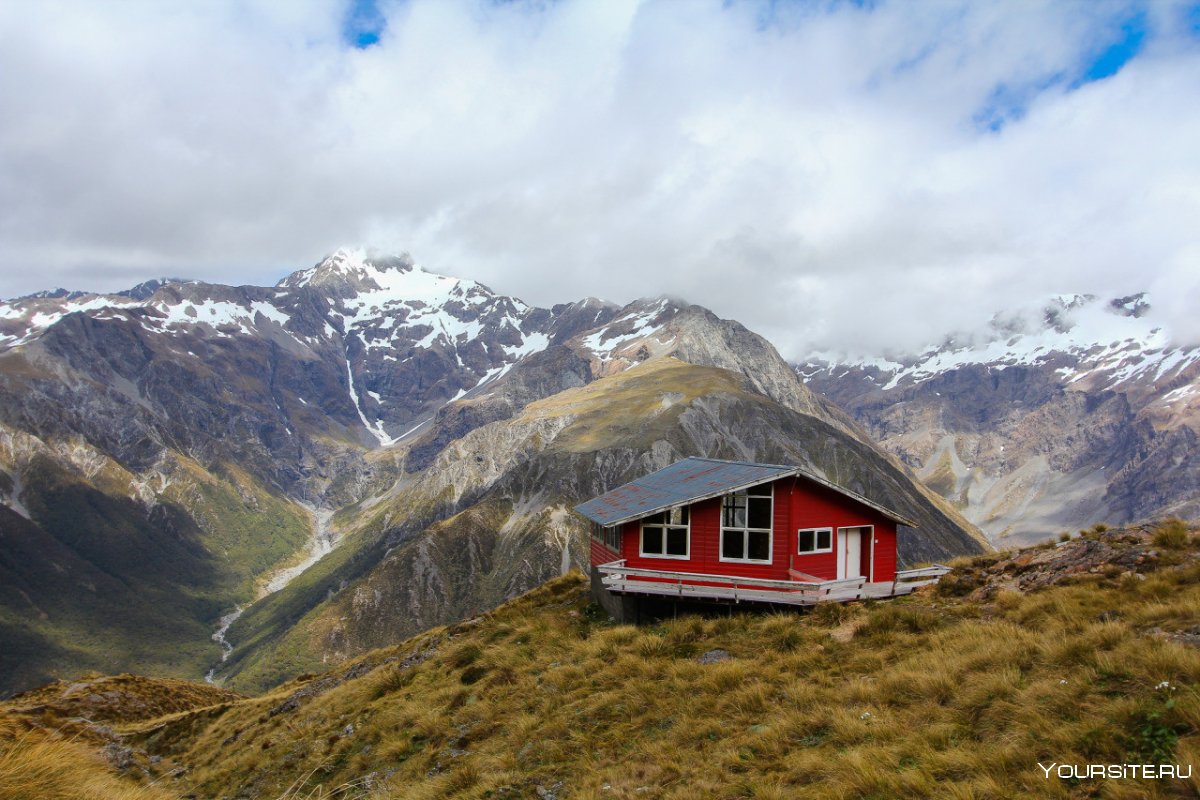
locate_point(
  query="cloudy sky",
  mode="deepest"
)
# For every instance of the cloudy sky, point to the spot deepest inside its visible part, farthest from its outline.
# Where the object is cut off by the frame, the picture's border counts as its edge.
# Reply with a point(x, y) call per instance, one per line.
point(836, 175)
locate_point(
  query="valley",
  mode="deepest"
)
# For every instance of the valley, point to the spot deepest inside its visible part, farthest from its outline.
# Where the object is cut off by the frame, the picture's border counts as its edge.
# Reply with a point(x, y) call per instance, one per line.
point(444, 432)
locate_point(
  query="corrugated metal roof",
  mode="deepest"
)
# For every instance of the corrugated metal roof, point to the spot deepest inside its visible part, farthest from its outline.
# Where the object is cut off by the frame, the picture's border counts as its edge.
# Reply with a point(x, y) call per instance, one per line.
point(684, 481)
point(694, 479)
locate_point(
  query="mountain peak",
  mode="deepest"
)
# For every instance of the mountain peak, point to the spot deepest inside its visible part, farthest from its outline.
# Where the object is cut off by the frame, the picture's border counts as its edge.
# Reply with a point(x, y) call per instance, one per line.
point(353, 268)
point(146, 289)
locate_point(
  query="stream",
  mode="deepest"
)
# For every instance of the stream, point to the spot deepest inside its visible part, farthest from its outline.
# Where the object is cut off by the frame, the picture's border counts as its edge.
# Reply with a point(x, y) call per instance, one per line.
point(321, 543)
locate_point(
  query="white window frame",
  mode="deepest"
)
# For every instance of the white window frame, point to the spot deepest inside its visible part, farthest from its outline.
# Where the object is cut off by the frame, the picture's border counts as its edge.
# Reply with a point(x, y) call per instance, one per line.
point(749, 492)
point(814, 532)
point(663, 527)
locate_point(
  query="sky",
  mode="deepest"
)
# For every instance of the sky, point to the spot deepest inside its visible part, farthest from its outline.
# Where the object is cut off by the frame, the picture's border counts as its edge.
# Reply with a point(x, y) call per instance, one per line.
point(855, 177)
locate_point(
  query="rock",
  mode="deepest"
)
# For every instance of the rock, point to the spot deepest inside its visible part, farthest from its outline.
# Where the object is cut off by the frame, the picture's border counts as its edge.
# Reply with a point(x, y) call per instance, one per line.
point(117, 755)
point(1189, 637)
point(713, 657)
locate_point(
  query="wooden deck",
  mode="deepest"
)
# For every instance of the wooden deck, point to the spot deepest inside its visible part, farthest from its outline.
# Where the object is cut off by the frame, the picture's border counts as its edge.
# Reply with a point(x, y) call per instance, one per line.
point(804, 590)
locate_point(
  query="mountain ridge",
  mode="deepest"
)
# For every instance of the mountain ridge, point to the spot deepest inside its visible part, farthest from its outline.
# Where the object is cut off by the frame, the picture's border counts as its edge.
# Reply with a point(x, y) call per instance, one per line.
point(357, 386)
point(1078, 411)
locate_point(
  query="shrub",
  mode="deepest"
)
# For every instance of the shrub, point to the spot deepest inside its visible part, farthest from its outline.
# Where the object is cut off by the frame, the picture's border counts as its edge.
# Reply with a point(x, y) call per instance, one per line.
point(1152, 735)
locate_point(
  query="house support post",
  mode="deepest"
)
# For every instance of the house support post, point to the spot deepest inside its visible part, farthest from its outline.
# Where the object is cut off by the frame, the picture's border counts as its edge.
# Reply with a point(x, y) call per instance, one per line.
point(621, 607)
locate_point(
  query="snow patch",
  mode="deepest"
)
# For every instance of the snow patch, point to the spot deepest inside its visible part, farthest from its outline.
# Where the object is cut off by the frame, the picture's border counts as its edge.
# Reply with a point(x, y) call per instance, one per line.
point(1103, 345)
point(375, 430)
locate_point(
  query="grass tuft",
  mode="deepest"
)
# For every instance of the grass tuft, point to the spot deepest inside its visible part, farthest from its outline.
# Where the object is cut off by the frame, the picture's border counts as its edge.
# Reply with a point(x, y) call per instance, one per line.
point(1172, 533)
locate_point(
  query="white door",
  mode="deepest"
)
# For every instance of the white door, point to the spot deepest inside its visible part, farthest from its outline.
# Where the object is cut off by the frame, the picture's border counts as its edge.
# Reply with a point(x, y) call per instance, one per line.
point(849, 554)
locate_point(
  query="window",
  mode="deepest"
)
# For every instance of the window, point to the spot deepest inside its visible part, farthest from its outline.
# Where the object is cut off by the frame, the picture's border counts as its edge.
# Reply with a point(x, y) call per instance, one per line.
point(814, 540)
point(746, 525)
point(665, 534)
point(610, 536)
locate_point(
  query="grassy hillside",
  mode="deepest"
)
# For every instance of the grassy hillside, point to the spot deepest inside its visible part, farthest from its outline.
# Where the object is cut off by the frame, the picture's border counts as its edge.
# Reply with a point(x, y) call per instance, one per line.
point(64, 741)
point(490, 517)
point(1078, 654)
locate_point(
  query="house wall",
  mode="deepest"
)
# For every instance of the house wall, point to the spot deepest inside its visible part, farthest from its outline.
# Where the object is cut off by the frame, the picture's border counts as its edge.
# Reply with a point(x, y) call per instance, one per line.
point(799, 503)
point(600, 553)
point(816, 506)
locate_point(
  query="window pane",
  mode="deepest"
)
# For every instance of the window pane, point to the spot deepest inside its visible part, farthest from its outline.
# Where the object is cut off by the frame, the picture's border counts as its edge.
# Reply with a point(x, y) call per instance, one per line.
point(654, 519)
point(806, 542)
point(678, 515)
point(731, 544)
point(612, 536)
point(760, 545)
point(677, 541)
point(652, 540)
point(824, 539)
point(760, 512)
point(735, 511)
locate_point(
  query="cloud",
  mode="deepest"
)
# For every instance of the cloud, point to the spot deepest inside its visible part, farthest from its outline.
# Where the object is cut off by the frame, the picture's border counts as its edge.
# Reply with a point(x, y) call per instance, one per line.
point(834, 175)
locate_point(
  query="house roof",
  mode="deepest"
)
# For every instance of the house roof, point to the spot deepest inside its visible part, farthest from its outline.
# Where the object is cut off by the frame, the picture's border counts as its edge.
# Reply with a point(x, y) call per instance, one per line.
point(694, 479)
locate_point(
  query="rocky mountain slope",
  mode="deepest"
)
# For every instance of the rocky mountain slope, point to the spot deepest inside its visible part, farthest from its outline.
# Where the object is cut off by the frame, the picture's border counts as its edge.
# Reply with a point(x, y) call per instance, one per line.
point(491, 515)
point(209, 432)
point(1079, 411)
point(1082, 653)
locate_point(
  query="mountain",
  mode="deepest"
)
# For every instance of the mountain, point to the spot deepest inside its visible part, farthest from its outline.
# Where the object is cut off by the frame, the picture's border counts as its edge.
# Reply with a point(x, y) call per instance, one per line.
point(1063, 655)
point(1077, 411)
point(184, 452)
point(491, 515)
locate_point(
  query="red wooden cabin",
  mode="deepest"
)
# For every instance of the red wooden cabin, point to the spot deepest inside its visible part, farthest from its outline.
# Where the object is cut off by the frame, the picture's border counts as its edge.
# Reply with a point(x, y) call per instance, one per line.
point(733, 530)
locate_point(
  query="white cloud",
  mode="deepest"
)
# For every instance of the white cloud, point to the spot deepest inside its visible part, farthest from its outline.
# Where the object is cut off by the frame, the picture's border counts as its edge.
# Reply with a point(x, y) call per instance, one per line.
point(820, 175)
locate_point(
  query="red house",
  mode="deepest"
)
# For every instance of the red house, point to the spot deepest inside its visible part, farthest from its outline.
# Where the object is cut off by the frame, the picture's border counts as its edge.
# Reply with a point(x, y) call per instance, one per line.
point(732, 530)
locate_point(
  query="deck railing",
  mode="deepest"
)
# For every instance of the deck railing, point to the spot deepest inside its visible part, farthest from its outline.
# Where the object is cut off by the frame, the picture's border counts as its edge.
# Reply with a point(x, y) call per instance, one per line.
point(801, 590)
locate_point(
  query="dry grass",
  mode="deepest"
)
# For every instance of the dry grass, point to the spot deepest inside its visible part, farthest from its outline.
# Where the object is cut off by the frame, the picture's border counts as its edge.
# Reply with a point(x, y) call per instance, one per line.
point(117, 699)
point(929, 696)
point(923, 697)
point(1172, 533)
point(35, 765)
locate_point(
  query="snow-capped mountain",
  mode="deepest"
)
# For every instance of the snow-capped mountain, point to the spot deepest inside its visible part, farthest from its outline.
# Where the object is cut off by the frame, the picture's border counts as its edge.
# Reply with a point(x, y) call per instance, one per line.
point(407, 340)
point(1075, 411)
point(167, 452)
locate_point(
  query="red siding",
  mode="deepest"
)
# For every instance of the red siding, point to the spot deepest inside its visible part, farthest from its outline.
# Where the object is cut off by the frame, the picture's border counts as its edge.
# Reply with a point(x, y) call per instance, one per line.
point(799, 503)
point(815, 506)
point(600, 553)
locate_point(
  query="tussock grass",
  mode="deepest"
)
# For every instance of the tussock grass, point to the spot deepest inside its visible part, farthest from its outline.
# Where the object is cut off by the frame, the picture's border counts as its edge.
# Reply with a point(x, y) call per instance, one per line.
point(927, 696)
point(35, 765)
point(1172, 533)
